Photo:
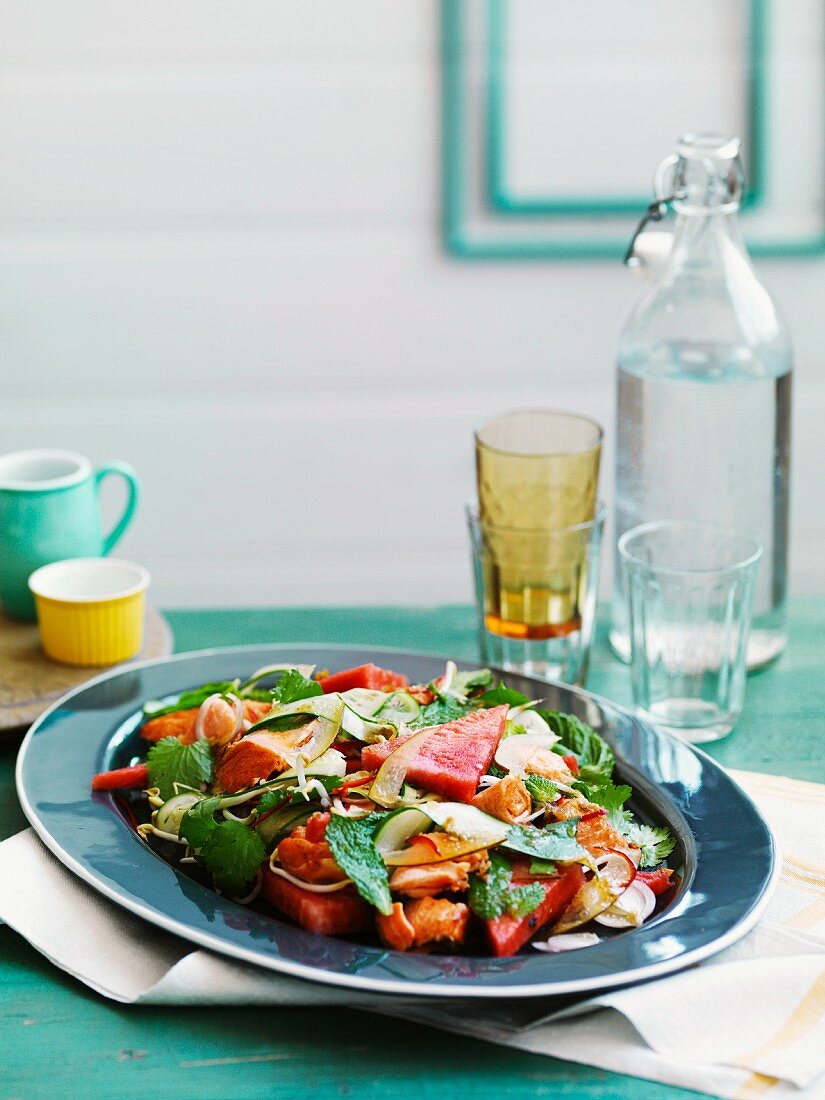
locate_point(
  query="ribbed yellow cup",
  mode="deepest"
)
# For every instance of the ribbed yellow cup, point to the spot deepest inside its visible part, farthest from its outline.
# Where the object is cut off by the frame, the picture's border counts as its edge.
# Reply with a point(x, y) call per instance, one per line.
point(91, 633)
point(90, 610)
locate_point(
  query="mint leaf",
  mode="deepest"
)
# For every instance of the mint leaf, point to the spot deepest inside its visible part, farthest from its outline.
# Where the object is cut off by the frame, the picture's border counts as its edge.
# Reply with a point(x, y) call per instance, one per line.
point(501, 695)
point(171, 763)
point(293, 686)
point(198, 823)
point(353, 848)
point(441, 710)
point(493, 896)
point(656, 843)
point(556, 842)
point(232, 854)
point(542, 791)
point(596, 759)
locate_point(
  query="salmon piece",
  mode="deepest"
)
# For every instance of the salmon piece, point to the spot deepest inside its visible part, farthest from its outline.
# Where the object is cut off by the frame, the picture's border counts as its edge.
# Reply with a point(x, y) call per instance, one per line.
point(507, 800)
point(181, 723)
point(309, 860)
point(597, 831)
point(421, 693)
point(245, 762)
point(395, 930)
point(436, 920)
point(549, 764)
point(431, 879)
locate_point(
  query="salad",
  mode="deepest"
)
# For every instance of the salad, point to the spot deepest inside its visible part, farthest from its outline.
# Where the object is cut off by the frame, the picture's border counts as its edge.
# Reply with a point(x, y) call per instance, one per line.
point(454, 815)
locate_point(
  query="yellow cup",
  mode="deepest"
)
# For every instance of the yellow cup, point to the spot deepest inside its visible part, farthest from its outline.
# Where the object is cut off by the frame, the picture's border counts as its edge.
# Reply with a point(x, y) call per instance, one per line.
point(90, 610)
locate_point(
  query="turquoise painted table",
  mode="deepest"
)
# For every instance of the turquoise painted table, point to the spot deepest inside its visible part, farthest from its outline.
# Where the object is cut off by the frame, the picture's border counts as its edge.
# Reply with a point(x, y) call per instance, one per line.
point(57, 1038)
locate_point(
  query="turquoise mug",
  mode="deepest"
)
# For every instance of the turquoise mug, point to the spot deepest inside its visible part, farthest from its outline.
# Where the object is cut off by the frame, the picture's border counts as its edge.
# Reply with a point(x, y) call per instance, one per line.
point(49, 511)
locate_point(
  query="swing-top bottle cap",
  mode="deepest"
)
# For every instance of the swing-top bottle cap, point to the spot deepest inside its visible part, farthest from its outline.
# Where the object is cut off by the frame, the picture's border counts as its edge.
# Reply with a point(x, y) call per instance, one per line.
point(708, 144)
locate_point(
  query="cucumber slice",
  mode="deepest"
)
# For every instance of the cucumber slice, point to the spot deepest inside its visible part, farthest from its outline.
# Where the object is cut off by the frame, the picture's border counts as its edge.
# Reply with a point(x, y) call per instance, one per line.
point(389, 779)
point(277, 825)
point(331, 762)
point(466, 822)
point(399, 708)
point(328, 710)
point(168, 817)
point(398, 826)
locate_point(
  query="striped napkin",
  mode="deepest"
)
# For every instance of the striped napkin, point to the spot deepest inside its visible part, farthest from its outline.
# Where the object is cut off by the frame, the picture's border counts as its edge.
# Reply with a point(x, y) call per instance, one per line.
point(747, 1023)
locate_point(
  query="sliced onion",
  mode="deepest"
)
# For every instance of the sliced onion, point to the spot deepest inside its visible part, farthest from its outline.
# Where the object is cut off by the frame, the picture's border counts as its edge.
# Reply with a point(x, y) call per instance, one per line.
point(572, 941)
point(531, 722)
point(207, 705)
point(614, 874)
point(514, 753)
point(631, 909)
point(389, 779)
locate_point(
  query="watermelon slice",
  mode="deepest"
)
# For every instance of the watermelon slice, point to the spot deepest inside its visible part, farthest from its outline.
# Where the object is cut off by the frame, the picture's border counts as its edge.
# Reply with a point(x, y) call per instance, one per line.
point(454, 758)
point(342, 913)
point(365, 676)
point(507, 934)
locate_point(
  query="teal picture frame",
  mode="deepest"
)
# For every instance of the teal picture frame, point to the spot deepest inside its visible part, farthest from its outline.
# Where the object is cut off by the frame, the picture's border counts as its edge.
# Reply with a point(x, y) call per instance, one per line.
point(457, 237)
point(500, 193)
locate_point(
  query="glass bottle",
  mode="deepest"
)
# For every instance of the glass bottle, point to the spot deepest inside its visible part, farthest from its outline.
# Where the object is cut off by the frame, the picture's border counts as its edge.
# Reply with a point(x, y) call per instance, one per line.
point(704, 387)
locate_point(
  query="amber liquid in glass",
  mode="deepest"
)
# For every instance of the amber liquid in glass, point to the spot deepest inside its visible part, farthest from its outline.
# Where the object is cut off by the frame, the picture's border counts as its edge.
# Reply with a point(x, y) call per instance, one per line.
point(534, 569)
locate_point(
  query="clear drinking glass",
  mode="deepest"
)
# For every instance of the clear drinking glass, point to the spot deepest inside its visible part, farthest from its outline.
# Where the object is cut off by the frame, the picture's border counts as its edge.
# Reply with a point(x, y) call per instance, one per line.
point(690, 593)
point(536, 595)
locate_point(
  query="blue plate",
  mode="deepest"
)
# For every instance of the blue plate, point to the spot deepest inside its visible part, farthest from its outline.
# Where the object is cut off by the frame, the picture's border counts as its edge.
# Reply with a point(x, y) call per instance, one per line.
point(725, 851)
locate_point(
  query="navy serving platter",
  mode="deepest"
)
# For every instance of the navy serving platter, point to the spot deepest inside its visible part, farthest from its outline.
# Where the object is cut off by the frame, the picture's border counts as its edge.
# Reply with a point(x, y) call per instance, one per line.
point(725, 852)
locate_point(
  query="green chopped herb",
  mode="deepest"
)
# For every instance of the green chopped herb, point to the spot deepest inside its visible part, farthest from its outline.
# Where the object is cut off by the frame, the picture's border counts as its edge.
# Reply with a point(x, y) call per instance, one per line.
point(199, 821)
point(189, 699)
point(442, 709)
point(494, 895)
point(543, 867)
point(294, 686)
point(595, 757)
point(232, 853)
point(465, 683)
point(656, 843)
point(173, 765)
point(501, 696)
point(542, 791)
point(351, 841)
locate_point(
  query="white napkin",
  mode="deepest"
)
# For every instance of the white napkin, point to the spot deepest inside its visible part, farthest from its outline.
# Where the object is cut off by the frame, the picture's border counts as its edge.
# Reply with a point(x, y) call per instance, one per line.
point(747, 1022)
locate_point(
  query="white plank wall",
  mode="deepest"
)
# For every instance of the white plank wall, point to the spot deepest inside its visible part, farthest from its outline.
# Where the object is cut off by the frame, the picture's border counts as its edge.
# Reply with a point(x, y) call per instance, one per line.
point(220, 261)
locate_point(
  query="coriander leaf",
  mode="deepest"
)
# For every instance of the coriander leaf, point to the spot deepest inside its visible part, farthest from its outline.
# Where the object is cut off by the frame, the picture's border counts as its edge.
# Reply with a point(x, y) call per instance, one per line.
point(293, 686)
point(232, 853)
point(352, 845)
point(199, 822)
point(171, 763)
point(273, 800)
point(543, 867)
point(541, 790)
point(464, 683)
point(611, 797)
point(501, 695)
point(441, 710)
point(596, 759)
point(656, 843)
point(494, 895)
point(556, 842)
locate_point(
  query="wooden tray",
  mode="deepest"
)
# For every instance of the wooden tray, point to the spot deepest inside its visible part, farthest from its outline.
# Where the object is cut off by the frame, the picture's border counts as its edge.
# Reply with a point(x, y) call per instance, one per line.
point(30, 682)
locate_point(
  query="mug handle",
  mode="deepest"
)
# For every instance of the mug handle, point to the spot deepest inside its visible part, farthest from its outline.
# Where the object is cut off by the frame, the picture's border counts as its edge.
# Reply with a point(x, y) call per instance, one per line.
point(121, 469)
